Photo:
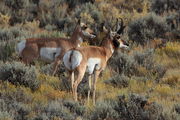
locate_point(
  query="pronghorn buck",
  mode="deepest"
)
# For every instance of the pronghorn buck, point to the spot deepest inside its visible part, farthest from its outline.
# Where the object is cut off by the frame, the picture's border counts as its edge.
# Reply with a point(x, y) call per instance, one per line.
point(90, 59)
point(52, 49)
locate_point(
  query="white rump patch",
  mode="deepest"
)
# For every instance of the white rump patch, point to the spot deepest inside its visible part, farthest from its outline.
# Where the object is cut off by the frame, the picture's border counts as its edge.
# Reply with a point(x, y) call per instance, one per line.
point(49, 54)
point(74, 61)
point(93, 63)
point(20, 46)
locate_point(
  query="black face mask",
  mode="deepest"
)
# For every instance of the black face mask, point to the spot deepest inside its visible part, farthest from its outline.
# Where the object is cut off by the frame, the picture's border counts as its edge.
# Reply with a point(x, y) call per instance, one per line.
point(116, 43)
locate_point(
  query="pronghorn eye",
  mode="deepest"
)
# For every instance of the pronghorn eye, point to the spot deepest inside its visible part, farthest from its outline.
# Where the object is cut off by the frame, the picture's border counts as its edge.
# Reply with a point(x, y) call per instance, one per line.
point(84, 27)
point(118, 37)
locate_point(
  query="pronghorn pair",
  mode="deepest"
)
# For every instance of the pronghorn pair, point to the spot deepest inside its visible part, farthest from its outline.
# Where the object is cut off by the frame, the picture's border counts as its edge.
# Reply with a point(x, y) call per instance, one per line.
point(52, 49)
point(91, 59)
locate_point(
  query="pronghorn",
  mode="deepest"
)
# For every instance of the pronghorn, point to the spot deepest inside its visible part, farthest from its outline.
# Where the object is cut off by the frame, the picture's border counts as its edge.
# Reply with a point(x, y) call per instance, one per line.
point(91, 59)
point(51, 49)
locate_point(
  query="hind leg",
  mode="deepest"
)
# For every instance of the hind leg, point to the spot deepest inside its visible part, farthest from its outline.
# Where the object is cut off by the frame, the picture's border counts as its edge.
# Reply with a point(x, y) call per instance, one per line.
point(80, 74)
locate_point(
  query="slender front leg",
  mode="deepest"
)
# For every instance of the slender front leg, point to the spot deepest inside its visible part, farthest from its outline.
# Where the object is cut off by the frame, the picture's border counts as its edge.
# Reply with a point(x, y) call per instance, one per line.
point(57, 62)
point(55, 66)
point(89, 89)
point(72, 80)
point(96, 75)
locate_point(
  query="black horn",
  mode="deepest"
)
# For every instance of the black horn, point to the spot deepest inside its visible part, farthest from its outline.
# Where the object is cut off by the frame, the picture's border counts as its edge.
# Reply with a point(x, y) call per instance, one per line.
point(121, 26)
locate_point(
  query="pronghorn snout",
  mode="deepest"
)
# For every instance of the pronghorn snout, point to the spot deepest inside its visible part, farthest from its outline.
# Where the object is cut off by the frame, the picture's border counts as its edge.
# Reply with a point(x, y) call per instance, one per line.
point(123, 44)
point(87, 34)
point(87, 31)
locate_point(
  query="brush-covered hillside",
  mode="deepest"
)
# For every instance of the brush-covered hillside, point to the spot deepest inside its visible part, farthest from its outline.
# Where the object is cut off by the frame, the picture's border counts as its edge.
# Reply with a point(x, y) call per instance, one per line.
point(140, 84)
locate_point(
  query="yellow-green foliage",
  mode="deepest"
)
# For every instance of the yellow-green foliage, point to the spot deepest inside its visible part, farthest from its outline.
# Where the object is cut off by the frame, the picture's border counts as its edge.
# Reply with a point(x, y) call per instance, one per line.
point(4, 19)
point(169, 55)
point(87, 17)
point(172, 78)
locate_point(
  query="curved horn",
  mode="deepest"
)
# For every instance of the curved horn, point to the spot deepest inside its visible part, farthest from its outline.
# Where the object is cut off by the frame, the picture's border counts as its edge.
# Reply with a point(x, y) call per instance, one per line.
point(122, 27)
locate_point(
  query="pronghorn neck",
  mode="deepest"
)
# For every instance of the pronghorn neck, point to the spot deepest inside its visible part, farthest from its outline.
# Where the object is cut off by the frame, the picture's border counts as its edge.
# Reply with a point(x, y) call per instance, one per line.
point(108, 46)
point(76, 37)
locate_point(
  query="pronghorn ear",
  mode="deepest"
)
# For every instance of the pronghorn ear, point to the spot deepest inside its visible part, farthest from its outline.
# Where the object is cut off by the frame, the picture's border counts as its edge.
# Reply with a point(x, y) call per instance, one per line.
point(110, 33)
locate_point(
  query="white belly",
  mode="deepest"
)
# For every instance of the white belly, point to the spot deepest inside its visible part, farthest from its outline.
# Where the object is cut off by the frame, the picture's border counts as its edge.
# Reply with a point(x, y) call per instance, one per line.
point(93, 63)
point(49, 54)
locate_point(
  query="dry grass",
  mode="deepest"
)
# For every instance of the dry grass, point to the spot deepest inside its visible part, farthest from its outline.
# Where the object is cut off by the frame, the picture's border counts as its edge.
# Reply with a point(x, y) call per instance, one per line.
point(169, 56)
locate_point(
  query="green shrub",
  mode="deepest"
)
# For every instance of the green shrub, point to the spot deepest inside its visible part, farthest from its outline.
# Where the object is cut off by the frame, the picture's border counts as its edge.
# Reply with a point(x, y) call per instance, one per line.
point(133, 108)
point(144, 29)
point(56, 109)
point(172, 21)
point(10, 34)
point(17, 4)
point(104, 110)
point(18, 74)
point(14, 110)
point(90, 9)
point(6, 50)
point(120, 81)
point(22, 111)
point(146, 58)
point(160, 6)
point(5, 116)
point(74, 107)
point(123, 64)
point(159, 72)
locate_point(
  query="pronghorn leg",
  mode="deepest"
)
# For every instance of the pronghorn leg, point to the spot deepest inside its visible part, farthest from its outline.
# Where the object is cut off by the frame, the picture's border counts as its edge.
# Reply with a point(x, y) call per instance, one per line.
point(89, 90)
point(30, 53)
point(72, 80)
point(96, 75)
point(81, 71)
point(56, 64)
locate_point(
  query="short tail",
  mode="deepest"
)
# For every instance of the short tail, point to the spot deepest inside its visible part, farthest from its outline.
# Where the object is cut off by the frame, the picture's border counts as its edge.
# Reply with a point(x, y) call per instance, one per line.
point(72, 59)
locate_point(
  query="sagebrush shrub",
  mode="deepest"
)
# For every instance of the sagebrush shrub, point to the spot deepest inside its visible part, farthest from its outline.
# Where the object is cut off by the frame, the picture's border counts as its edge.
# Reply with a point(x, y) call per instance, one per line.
point(19, 74)
point(160, 6)
point(75, 107)
point(6, 50)
point(123, 64)
point(146, 58)
point(104, 110)
point(56, 109)
point(131, 108)
point(5, 116)
point(10, 34)
point(17, 4)
point(144, 29)
point(120, 81)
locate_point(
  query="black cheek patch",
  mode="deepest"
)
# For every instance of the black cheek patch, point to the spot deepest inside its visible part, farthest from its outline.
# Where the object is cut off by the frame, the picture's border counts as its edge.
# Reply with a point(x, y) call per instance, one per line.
point(116, 43)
